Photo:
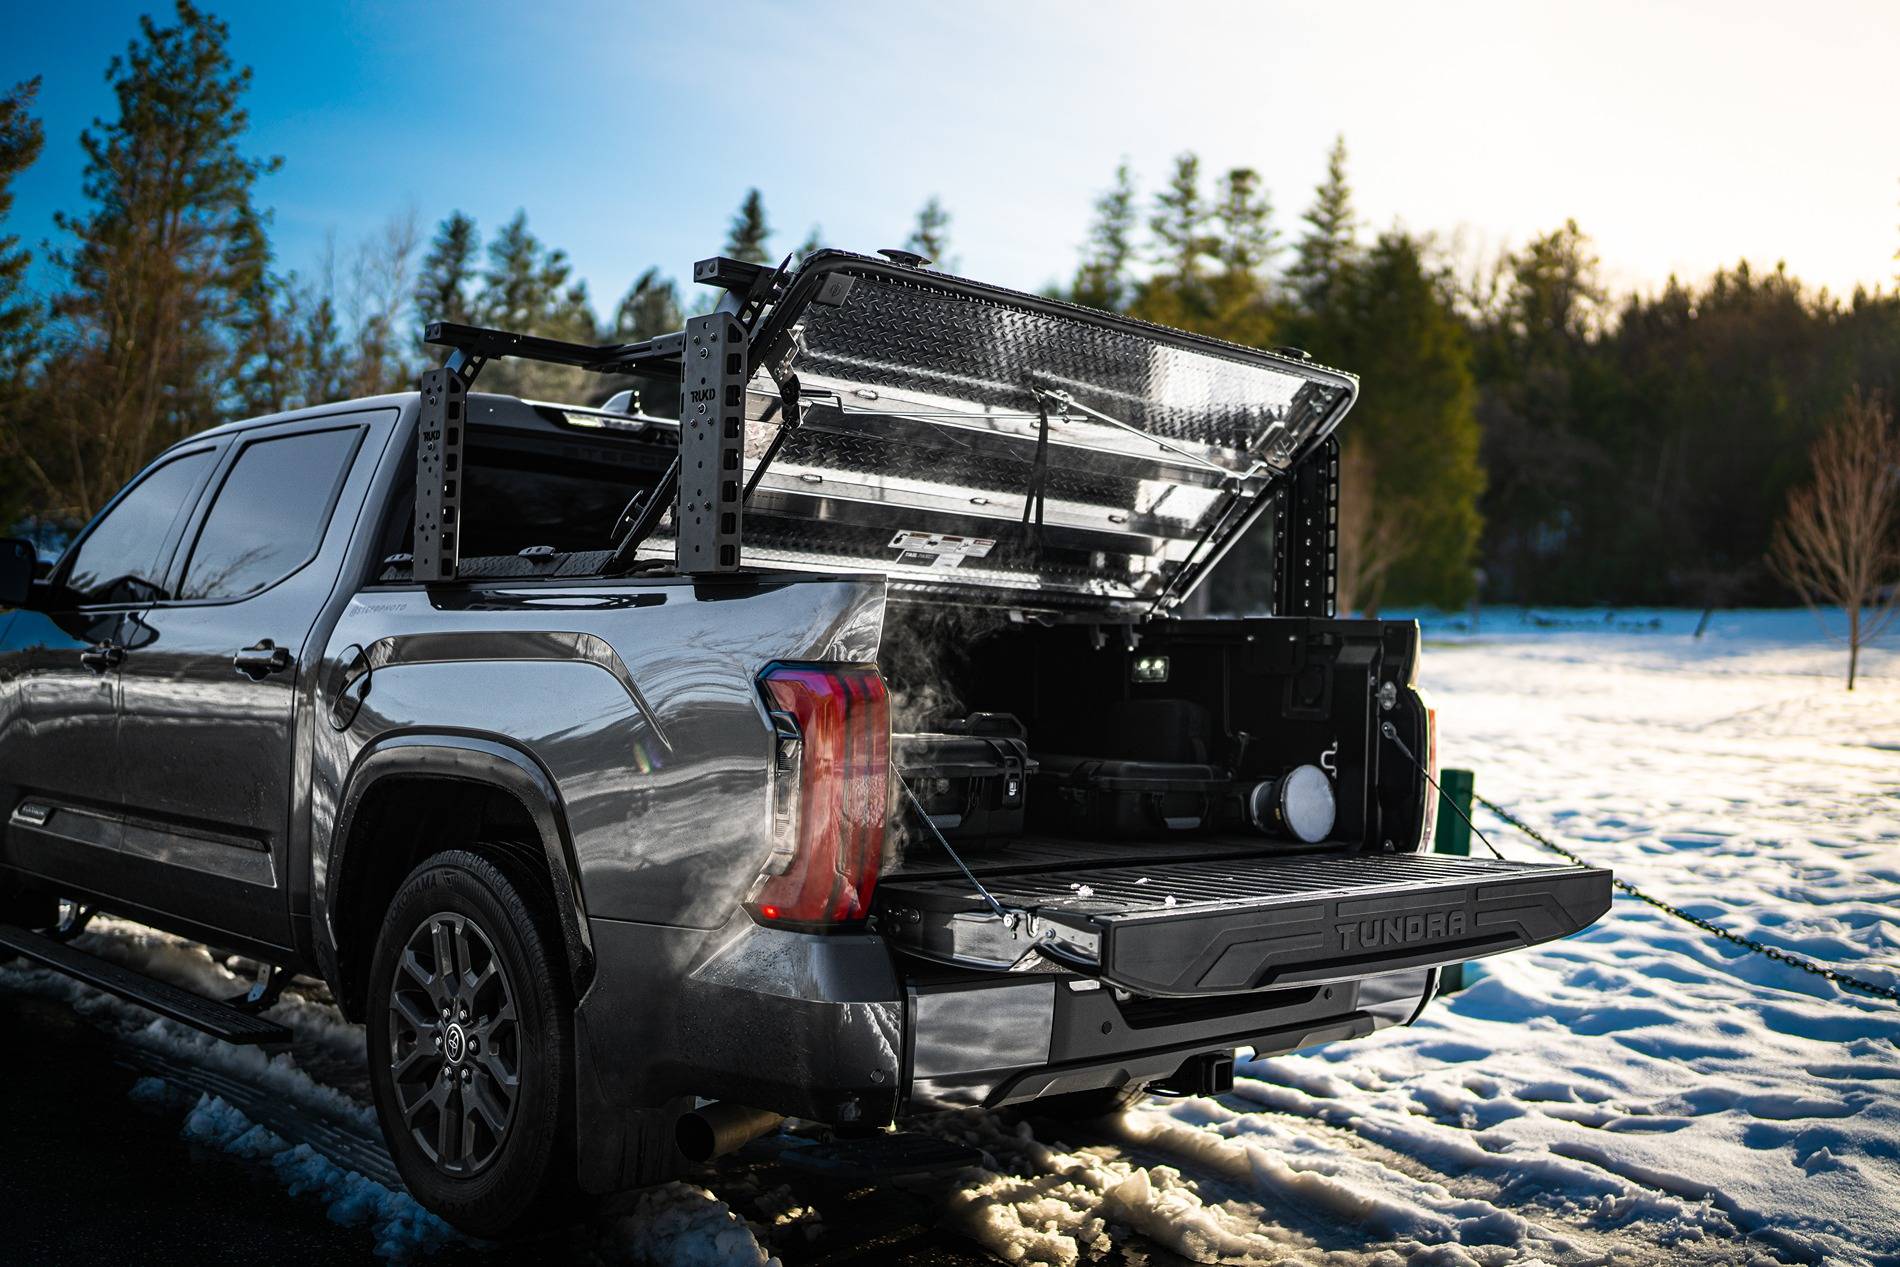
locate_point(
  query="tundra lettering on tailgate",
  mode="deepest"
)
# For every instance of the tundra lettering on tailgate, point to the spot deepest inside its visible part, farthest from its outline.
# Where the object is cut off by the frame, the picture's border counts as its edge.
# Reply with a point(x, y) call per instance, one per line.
point(1400, 930)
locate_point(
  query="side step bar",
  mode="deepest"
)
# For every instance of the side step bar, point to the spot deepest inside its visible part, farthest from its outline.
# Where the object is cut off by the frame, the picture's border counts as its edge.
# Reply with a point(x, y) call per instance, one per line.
point(220, 1020)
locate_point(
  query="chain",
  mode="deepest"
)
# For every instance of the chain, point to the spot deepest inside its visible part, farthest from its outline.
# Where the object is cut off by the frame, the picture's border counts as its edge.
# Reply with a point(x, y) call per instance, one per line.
point(1835, 975)
point(1747, 943)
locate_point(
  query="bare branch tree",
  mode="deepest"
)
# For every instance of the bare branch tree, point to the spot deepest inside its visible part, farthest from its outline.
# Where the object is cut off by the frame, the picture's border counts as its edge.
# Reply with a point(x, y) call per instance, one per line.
point(377, 305)
point(1371, 537)
point(1836, 543)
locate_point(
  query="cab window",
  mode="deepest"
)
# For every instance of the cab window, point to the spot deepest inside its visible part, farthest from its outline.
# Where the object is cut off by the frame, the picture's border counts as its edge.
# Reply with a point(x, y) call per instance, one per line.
point(123, 558)
point(270, 514)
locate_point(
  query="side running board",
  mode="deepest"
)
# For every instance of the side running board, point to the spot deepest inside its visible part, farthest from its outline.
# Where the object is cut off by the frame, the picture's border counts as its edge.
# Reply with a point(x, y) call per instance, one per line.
point(220, 1020)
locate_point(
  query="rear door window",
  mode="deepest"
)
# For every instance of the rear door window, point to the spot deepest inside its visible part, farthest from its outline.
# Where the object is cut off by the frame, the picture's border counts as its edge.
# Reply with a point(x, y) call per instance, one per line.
point(122, 560)
point(270, 514)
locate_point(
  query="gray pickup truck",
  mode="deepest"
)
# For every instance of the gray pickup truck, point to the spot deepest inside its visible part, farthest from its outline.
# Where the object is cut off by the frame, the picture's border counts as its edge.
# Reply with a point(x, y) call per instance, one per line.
point(814, 729)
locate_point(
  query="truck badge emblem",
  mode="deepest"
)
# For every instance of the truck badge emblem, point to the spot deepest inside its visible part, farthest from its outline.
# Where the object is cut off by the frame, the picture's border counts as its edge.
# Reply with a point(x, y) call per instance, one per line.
point(1401, 930)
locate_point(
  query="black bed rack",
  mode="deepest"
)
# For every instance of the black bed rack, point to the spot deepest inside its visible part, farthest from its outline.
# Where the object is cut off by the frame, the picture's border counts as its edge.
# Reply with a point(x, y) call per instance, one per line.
point(711, 360)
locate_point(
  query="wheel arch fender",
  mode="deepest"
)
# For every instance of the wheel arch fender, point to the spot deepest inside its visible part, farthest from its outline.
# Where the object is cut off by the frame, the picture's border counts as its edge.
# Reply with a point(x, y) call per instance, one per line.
point(493, 762)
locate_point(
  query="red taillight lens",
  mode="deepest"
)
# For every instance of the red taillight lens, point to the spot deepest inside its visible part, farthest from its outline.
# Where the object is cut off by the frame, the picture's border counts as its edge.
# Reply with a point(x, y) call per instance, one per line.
point(1428, 823)
point(833, 769)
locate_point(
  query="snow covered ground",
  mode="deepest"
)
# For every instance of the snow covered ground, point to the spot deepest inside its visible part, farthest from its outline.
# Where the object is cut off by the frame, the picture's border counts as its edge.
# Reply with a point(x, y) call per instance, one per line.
point(1638, 1094)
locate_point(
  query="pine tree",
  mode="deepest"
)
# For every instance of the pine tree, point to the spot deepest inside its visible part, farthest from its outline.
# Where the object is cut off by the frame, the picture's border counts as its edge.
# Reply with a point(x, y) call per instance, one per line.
point(21, 139)
point(263, 366)
point(158, 266)
point(1329, 245)
point(448, 272)
point(1248, 239)
point(650, 308)
point(747, 238)
point(319, 358)
point(931, 237)
point(1555, 300)
point(813, 243)
point(1102, 279)
point(1181, 224)
point(1242, 311)
point(527, 288)
point(1393, 323)
point(1177, 294)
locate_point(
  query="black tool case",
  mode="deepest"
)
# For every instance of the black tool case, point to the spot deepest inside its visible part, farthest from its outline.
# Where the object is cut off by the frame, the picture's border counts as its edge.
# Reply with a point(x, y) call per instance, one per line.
point(1098, 796)
point(972, 778)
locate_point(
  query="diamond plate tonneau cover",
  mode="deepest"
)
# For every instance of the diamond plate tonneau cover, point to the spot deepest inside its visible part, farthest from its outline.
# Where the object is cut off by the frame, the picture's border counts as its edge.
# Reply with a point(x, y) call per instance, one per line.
point(1227, 924)
point(936, 415)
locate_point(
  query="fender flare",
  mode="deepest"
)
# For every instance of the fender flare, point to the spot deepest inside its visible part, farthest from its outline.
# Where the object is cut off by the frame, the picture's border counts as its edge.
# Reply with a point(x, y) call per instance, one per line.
point(473, 758)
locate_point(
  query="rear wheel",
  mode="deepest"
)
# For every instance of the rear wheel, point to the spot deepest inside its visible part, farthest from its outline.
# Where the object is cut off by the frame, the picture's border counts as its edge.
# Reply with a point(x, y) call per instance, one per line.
point(470, 1045)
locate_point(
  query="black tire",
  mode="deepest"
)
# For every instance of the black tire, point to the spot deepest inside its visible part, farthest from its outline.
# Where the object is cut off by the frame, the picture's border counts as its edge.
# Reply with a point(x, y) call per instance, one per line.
point(24, 908)
point(1082, 1106)
point(441, 1084)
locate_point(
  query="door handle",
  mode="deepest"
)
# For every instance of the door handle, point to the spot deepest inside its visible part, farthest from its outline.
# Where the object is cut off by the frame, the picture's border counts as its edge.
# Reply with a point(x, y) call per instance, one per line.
point(103, 656)
point(260, 661)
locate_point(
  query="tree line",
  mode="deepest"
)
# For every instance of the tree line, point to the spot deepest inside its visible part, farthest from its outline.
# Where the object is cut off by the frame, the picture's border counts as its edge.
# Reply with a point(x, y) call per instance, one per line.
point(1522, 434)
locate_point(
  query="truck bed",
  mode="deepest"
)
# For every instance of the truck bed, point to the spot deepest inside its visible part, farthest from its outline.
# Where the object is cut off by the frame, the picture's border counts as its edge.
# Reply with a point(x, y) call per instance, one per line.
point(1034, 852)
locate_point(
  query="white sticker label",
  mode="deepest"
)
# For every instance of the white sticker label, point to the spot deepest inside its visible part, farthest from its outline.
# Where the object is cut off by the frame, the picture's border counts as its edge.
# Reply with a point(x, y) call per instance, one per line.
point(938, 549)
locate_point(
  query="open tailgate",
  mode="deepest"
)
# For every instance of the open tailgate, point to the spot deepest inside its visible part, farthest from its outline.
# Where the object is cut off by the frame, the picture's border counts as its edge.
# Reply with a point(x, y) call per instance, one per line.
point(975, 442)
point(1220, 925)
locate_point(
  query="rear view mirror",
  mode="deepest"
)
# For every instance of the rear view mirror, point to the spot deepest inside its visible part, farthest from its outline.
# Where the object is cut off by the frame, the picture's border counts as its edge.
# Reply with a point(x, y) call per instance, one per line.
point(19, 561)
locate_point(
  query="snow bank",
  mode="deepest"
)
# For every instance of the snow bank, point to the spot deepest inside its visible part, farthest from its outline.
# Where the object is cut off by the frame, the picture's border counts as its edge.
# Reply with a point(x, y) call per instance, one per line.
point(403, 1229)
point(683, 1224)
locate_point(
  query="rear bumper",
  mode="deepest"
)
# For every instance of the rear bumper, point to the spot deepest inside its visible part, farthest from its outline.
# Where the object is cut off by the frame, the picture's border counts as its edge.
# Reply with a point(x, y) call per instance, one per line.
point(986, 1040)
point(836, 1029)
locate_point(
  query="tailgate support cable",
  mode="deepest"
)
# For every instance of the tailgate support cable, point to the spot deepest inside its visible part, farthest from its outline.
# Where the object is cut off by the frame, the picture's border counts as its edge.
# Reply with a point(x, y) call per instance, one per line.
point(1056, 953)
point(1391, 733)
point(1010, 918)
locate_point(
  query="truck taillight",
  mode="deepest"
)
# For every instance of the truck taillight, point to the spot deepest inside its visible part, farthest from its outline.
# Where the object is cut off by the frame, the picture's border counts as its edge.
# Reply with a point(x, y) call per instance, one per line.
point(830, 798)
point(1428, 821)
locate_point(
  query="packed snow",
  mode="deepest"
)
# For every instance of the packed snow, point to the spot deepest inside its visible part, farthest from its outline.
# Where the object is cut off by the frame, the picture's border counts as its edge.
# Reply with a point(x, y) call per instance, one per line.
point(1640, 1093)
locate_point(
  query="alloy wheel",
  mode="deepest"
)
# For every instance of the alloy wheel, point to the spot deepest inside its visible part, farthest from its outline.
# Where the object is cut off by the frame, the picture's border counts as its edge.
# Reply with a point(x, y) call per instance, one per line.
point(454, 1044)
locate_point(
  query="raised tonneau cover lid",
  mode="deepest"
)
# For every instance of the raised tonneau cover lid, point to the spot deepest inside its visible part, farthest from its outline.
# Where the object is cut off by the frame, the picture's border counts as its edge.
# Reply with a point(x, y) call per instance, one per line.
point(972, 441)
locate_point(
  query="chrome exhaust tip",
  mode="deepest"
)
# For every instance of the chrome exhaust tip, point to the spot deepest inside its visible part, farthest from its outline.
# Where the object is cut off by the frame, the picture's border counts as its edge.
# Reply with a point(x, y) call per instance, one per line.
point(715, 1129)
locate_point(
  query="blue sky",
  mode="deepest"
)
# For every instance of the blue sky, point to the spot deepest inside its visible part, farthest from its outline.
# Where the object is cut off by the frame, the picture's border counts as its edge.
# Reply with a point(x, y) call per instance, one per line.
point(1682, 136)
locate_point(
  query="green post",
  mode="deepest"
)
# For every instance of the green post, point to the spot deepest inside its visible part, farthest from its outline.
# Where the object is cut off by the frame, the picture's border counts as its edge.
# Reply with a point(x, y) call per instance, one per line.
point(1453, 836)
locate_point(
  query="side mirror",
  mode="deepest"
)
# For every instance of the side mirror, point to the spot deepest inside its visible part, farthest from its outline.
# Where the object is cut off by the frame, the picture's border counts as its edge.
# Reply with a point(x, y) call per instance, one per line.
point(19, 564)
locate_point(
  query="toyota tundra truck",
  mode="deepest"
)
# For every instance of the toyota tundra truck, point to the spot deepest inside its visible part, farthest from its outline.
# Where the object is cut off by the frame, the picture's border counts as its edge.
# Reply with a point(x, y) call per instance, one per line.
point(814, 727)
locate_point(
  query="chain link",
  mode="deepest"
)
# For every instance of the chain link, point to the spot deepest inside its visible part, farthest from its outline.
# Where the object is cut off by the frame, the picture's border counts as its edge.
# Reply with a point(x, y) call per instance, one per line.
point(1835, 975)
point(1747, 943)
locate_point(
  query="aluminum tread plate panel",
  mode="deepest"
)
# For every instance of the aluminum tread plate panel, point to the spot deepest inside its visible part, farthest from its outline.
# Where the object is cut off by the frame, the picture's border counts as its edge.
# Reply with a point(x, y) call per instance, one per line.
point(1089, 453)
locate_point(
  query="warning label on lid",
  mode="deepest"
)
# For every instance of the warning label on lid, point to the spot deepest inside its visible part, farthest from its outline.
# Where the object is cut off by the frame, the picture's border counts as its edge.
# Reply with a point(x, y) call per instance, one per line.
point(938, 549)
